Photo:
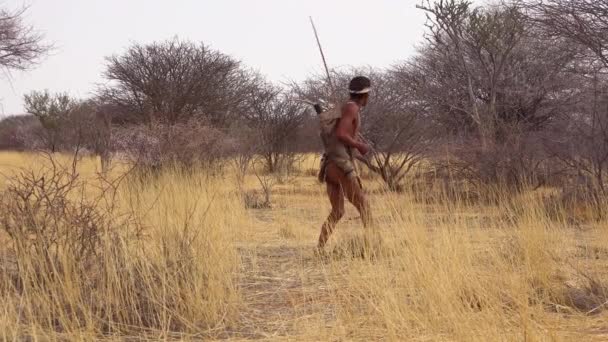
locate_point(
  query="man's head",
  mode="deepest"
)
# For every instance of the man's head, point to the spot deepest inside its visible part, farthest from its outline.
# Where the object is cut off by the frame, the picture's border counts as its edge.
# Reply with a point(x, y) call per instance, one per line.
point(359, 89)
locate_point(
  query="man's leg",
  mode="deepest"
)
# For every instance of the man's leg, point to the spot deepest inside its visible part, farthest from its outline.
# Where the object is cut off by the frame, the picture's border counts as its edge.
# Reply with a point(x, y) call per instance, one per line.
point(355, 195)
point(336, 197)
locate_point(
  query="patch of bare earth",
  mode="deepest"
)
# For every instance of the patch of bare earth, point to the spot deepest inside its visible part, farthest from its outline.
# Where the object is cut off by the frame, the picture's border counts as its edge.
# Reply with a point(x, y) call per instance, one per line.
point(282, 291)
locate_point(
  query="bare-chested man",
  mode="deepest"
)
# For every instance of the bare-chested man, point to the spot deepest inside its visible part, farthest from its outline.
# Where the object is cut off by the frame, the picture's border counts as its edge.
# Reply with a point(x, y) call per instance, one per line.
point(338, 169)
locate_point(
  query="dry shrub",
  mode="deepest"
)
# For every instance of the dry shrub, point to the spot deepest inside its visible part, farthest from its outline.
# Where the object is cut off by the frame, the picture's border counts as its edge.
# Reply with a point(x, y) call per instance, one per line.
point(262, 199)
point(59, 235)
point(588, 296)
point(46, 213)
point(441, 186)
point(19, 133)
point(509, 166)
point(182, 145)
point(573, 206)
point(256, 200)
point(99, 257)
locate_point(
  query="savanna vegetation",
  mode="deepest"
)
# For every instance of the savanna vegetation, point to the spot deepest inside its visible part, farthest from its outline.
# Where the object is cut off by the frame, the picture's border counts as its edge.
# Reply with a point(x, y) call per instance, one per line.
point(181, 201)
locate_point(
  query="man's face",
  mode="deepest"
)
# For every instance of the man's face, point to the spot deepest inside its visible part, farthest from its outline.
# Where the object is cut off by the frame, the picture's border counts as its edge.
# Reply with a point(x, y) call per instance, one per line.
point(365, 100)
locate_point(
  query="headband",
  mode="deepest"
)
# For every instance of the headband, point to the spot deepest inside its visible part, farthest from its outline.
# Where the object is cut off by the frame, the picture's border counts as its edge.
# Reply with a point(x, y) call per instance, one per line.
point(362, 91)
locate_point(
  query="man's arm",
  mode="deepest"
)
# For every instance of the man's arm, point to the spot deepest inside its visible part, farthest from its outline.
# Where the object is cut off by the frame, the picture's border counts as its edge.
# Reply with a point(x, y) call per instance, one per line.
point(348, 124)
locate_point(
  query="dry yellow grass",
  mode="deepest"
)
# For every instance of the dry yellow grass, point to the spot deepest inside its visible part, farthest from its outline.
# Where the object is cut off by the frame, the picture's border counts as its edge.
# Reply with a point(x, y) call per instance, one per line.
point(443, 271)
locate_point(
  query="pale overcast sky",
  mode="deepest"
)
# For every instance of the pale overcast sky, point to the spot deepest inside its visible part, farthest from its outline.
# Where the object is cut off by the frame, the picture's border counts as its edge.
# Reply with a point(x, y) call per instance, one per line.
point(272, 36)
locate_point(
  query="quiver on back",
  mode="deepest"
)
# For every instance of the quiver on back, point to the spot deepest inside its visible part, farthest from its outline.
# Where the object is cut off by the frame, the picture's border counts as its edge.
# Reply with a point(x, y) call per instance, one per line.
point(327, 126)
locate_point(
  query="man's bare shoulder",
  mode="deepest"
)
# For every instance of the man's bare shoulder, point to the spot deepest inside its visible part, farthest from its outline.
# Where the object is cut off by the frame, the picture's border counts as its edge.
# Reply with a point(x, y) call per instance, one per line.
point(350, 109)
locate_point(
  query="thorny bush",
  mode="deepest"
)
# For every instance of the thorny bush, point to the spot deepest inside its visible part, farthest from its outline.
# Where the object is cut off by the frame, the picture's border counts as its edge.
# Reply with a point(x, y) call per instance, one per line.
point(47, 215)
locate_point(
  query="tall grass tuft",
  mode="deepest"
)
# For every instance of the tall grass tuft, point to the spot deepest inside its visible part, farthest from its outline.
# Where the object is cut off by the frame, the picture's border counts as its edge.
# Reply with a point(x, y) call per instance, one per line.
point(100, 257)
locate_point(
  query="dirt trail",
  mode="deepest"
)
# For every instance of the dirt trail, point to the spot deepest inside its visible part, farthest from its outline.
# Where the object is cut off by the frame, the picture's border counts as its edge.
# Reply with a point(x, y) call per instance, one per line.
point(283, 288)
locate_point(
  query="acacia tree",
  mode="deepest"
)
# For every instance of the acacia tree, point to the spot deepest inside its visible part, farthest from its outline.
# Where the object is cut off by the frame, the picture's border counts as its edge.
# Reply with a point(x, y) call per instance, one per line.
point(397, 129)
point(581, 138)
point(69, 123)
point(584, 22)
point(487, 78)
point(21, 47)
point(244, 153)
point(89, 125)
point(277, 117)
point(173, 81)
point(478, 45)
point(52, 111)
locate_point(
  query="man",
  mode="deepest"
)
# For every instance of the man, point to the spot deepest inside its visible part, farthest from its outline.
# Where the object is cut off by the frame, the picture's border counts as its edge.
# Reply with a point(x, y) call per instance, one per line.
point(338, 170)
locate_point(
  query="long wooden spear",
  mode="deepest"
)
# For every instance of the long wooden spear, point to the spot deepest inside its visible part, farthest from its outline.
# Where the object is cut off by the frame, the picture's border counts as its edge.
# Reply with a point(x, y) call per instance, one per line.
point(314, 28)
point(333, 96)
